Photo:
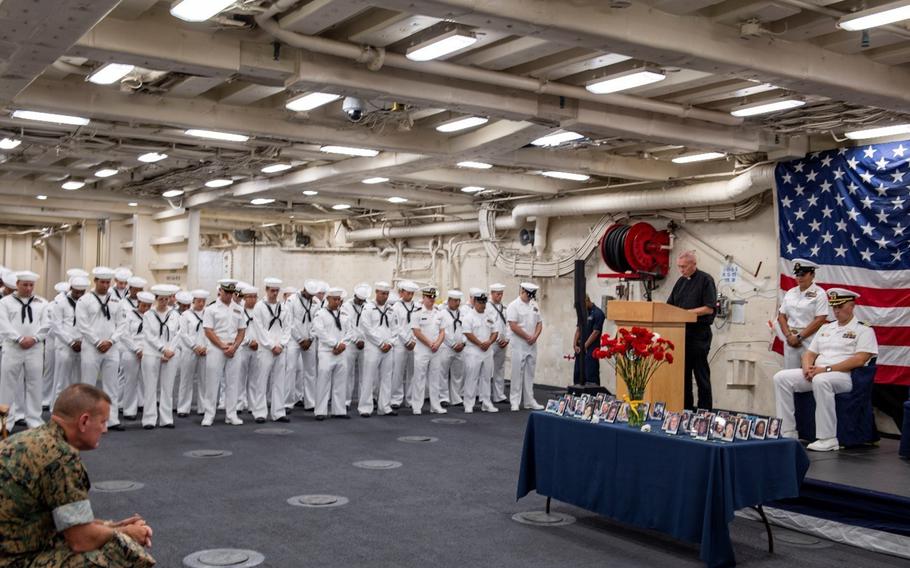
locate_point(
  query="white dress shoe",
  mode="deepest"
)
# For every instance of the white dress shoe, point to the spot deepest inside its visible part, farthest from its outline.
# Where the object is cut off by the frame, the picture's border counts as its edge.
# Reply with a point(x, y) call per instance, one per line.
point(514, 408)
point(233, 421)
point(535, 406)
point(207, 421)
point(490, 408)
point(826, 445)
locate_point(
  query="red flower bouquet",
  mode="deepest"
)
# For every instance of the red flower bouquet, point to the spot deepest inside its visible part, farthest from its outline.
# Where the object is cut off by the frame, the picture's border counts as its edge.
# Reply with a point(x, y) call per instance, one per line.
point(635, 354)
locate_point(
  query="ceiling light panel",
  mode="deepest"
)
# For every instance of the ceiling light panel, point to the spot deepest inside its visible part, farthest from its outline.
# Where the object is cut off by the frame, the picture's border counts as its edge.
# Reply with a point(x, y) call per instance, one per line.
point(557, 138)
point(876, 17)
point(462, 124)
point(879, 132)
point(152, 157)
point(275, 168)
point(199, 10)
point(216, 135)
point(474, 165)
point(310, 101)
point(764, 108)
point(50, 117)
point(349, 151)
point(703, 157)
point(565, 175)
point(110, 73)
point(626, 80)
point(441, 45)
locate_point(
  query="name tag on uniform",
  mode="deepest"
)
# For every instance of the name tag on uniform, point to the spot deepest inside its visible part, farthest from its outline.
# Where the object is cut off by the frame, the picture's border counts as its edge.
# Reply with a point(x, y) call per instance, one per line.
point(849, 335)
point(811, 294)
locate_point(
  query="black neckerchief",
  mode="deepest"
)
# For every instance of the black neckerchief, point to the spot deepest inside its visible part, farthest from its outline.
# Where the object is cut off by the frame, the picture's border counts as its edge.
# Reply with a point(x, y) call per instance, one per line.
point(26, 308)
point(72, 304)
point(105, 309)
point(120, 296)
point(456, 319)
point(162, 325)
point(249, 318)
point(359, 312)
point(410, 311)
point(306, 314)
point(383, 315)
point(132, 303)
point(141, 322)
point(336, 318)
point(276, 316)
point(198, 320)
point(501, 312)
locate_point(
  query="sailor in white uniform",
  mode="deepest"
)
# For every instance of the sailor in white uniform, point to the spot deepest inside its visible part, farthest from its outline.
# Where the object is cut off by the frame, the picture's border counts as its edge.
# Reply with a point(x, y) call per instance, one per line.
point(427, 327)
point(803, 310)
point(380, 331)
point(354, 308)
point(403, 352)
point(132, 345)
point(501, 346)
point(334, 335)
point(480, 331)
point(224, 327)
point(450, 354)
point(302, 348)
point(161, 336)
point(273, 328)
point(195, 347)
point(525, 326)
point(68, 341)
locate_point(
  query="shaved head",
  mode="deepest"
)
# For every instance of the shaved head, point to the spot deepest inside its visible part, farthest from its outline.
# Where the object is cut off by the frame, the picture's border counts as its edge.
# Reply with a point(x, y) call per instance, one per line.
point(79, 399)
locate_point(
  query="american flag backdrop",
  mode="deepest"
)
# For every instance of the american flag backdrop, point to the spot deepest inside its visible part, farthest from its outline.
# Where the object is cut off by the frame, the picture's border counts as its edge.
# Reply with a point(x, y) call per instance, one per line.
point(847, 210)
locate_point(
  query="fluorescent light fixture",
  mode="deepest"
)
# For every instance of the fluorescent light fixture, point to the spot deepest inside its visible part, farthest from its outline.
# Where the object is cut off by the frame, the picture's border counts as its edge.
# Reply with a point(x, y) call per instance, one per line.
point(132, 204)
point(41, 197)
point(397, 200)
point(557, 138)
point(72, 185)
point(9, 143)
point(110, 73)
point(275, 168)
point(310, 192)
point(222, 182)
point(371, 181)
point(879, 132)
point(764, 108)
point(152, 157)
point(626, 80)
point(566, 175)
point(349, 151)
point(441, 45)
point(472, 189)
point(50, 117)
point(198, 10)
point(474, 165)
point(262, 201)
point(172, 193)
point(310, 101)
point(106, 172)
point(215, 135)
point(341, 206)
point(875, 17)
point(698, 157)
point(462, 124)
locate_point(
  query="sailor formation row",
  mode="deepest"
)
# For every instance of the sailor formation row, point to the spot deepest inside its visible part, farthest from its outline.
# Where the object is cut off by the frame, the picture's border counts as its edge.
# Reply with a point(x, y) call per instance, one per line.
point(158, 349)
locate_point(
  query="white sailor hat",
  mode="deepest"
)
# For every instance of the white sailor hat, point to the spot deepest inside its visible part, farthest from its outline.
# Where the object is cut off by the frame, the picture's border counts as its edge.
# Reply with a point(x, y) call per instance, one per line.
point(102, 273)
point(840, 296)
point(271, 283)
point(336, 292)
point(136, 282)
point(227, 284)
point(122, 274)
point(382, 286)
point(530, 286)
point(184, 297)
point(497, 287)
point(162, 290)
point(476, 292)
point(79, 283)
point(324, 287)
point(62, 287)
point(249, 291)
point(146, 297)
point(26, 276)
point(200, 294)
point(455, 295)
point(240, 285)
point(311, 287)
point(362, 291)
point(801, 265)
point(73, 272)
point(408, 286)
point(9, 279)
point(289, 290)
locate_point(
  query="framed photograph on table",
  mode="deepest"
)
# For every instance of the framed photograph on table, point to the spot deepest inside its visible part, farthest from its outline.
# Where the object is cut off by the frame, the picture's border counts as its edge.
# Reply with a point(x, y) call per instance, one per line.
point(657, 411)
point(623, 415)
point(700, 427)
point(717, 427)
point(743, 427)
point(774, 429)
point(612, 411)
point(729, 430)
point(665, 424)
point(759, 429)
point(673, 420)
point(684, 420)
point(588, 412)
point(553, 406)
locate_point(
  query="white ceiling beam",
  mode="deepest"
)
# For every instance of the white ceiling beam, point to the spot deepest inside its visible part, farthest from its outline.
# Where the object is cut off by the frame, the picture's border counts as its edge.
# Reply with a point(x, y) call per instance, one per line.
point(512, 183)
point(510, 52)
point(592, 162)
point(318, 15)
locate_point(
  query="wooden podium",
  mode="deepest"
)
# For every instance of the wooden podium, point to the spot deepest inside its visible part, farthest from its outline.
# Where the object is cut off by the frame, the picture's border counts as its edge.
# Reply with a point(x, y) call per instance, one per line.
point(670, 322)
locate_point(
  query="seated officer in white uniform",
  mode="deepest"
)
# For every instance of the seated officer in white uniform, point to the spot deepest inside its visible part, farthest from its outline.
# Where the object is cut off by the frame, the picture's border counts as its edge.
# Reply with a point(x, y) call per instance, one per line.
point(803, 311)
point(837, 348)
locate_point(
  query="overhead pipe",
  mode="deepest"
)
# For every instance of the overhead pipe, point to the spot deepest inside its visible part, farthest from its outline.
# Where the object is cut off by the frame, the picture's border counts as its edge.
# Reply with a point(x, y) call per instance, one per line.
point(375, 58)
point(426, 230)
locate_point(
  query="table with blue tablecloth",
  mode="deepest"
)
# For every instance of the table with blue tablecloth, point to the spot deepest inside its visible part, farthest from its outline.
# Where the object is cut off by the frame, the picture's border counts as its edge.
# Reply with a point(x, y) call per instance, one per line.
point(686, 488)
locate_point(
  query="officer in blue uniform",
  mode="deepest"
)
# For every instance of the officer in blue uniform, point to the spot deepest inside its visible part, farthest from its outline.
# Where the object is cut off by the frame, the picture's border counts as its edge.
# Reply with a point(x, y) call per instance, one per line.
point(587, 339)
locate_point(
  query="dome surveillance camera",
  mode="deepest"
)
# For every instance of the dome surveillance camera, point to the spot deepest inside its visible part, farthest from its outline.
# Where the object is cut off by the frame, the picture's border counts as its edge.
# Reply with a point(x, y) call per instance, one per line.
point(353, 108)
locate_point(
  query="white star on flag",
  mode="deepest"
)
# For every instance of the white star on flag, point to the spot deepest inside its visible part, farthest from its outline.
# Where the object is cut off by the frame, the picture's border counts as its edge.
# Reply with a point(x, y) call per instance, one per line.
point(867, 254)
point(800, 214)
point(897, 176)
point(853, 162)
point(898, 230)
point(787, 178)
point(799, 167)
point(838, 173)
point(867, 229)
point(786, 202)
point(803, 239)
point(827, 237)
point(882, 242)
point(814, 250)
point(811, 175)
point(869, 152)
point(867, 202)
point(841, 226)
point(840, 199)
point(799, 189)
point(882, 164)
point(899, 151)
point(812, 201)
point(898, 202)
point(896, 255)
point(882, 216)
point(882, 190)
point(815, 225)
point(852, 188)
point(841, 251)
point(790, 248)
point(825, 186)
point(867, 177)
point(853, 213)
point(826, 161)
point(826, 212)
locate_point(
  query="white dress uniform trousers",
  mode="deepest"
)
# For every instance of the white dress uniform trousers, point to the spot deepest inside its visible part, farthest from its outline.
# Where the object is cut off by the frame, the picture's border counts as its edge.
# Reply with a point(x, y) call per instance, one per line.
point(801, 308)
point(192, 366)
point(379, 326)
point(450, 361)
point(226, 321)
point(353, 353)
point(427, 364)
point(524, 356)
point(478, 364)
point(498, 393)
point(101, 318)
point(248, 372)
point(273, 328)
point(66, 361)
point(833, 343)
point(131, 345)
point(302, 363)
point(404, 359)
point(161, 333)
point(331, 328)
point(21, 369)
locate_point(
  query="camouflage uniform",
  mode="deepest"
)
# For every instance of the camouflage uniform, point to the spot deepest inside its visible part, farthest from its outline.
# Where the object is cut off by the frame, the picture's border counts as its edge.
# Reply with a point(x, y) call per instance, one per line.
point(44, 491)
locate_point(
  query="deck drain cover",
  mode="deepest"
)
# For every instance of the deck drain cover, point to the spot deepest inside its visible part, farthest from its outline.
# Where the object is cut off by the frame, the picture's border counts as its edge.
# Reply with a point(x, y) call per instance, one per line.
point(230, 557)
point(417, 439)
point(448, 421)
point(377, 464)
point(274, 431)
point(116, 486)
point(207, 453)
point(318, 501)
point(543, 519)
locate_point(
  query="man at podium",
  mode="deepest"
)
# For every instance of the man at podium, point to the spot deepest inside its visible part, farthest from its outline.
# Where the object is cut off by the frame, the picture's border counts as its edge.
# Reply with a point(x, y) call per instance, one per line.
point(695, 292)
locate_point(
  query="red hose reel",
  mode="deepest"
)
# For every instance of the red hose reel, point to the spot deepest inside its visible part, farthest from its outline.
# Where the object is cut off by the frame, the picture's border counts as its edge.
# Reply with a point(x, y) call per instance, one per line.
point(635, 251)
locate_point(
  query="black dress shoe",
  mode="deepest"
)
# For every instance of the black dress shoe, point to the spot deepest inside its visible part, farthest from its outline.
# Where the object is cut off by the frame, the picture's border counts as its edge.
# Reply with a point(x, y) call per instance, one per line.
point(444, 404)
point(129, 417)
point(116, 428)
point(148, 427)
point(283, 419)
point(141, 409)
point(392, 413)
point(396, 406)
point(365, 415)
point(459, 404)
point(320, 417)
point(169, 426)
point(182, 414)
point(299, 404)
point(309, 409)
point(342, 416)
point(260, 420)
